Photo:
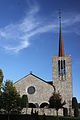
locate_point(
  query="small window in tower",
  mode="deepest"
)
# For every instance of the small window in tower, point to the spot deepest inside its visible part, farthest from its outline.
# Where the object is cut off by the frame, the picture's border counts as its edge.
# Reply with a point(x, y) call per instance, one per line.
point(61, 64)
point(64, 68)
point(59, 67)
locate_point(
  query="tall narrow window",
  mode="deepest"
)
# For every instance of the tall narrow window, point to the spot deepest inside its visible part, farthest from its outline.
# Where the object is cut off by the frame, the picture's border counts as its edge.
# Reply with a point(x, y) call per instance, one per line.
point(61, 67)
point(64, 68)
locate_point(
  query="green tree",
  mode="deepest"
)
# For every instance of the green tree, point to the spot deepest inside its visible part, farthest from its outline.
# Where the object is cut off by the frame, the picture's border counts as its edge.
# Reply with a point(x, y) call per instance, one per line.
point(74, 103)
point(55, 101)
point(11, 98)
point(1, 79)
point(79, 105)
point(24, 102)
point(1, 105)
point(76, 112)
point(65, 111)
point(75, 106)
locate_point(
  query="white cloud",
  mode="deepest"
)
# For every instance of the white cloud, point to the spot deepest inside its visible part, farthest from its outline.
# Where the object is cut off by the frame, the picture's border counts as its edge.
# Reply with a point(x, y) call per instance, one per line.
point(71, 19)
point(15, 37)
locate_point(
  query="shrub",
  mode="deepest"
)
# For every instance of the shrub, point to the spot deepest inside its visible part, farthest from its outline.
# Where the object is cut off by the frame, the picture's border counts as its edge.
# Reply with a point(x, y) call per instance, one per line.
point(76, 112)
point(65, 112)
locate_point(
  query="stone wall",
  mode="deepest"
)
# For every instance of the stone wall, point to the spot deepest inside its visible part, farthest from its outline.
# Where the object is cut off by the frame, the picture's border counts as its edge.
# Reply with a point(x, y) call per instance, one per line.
point(41, 111)
point(49, 111)
point(43, 90)
point(42, 93)
point(63, 83)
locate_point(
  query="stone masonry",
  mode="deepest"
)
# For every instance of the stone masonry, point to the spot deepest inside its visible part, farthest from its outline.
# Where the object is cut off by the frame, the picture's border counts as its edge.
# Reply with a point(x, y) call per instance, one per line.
point(63, 83)
point(42, 93)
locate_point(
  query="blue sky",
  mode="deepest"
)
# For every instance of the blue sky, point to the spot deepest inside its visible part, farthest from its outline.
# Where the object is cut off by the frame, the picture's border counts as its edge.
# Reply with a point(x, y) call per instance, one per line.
point(29, 37)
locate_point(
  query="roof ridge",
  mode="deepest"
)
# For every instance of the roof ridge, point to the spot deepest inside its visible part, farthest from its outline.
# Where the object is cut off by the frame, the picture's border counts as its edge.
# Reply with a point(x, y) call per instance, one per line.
point(34, 76)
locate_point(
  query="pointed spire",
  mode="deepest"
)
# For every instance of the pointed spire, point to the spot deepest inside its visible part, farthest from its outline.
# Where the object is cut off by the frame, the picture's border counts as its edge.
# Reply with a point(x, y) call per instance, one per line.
point(61, 47)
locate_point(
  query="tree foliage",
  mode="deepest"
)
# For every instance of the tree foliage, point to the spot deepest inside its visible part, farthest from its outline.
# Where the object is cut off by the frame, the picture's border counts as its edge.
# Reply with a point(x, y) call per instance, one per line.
point(76, 112)
point(74, 103)
point(65, 112)
point(75, 106)
point(24, 101)
point(1, 79)
point(55, 101)
point(79, 105)
point(11, 100)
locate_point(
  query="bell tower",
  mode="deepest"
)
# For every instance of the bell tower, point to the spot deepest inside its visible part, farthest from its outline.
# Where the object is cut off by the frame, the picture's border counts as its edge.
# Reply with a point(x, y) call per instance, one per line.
point(62, 72)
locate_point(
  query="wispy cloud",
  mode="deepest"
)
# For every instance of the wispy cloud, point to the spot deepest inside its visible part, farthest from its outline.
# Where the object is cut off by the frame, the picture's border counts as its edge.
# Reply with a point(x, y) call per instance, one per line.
point(71, 23)
point(15, 37)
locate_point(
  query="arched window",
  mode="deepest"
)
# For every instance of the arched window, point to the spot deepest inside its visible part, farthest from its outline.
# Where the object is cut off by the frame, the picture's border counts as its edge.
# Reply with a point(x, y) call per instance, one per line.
point(44, 105)
point(32, 105)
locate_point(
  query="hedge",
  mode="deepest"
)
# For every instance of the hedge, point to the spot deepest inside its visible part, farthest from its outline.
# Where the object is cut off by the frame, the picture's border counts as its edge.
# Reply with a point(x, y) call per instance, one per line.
point(35, 117)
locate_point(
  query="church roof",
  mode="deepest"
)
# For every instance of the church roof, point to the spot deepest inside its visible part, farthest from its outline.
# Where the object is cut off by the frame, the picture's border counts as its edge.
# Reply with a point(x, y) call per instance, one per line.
point(48, 82)
point(61, 46)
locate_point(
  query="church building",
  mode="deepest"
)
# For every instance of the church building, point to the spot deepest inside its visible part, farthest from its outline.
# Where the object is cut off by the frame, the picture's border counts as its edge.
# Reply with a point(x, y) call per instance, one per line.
point(39, 91)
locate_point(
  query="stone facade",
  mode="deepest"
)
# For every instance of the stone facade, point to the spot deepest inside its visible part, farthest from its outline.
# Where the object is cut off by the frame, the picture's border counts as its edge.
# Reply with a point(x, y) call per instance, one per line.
point(42, 93)
point(39, 91)
point(63, 83)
